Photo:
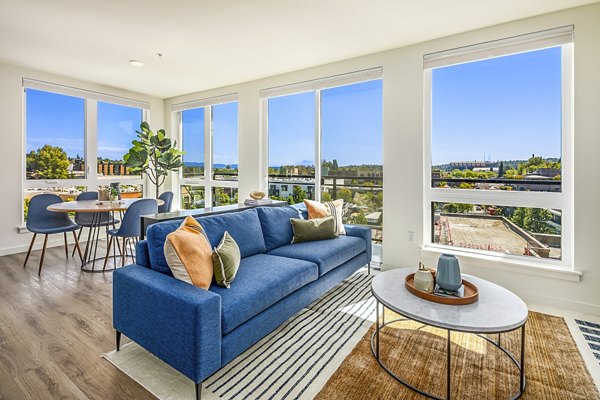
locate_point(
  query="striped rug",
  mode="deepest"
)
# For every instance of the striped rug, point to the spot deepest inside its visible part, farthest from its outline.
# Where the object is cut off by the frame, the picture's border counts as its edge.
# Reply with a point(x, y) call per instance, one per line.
point(294, 361)
point(591, 334)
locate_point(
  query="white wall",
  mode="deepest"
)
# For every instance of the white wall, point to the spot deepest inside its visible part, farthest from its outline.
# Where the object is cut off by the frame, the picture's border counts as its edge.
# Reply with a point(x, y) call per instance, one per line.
point(403, 151)
point(12, 151)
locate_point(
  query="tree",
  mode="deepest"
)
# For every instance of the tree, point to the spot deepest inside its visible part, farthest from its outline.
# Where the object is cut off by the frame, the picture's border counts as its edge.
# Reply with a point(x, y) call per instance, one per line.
point(532, 219)
point(501, 170)
point(298, 194)
point(326, 196)
point(345, 194)
point(48, 162)
point(153, 154)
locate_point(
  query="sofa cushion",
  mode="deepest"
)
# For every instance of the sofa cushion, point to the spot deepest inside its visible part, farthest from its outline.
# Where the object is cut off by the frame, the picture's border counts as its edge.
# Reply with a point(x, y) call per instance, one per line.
point(327, 254)
point(243, 226)
point(276, 227)
point(189, 255)
point(261, 281)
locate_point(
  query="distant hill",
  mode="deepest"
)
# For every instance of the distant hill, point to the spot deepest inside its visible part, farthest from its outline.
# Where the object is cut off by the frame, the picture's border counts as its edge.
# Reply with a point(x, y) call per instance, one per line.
point(495, 164)
point(201, 164)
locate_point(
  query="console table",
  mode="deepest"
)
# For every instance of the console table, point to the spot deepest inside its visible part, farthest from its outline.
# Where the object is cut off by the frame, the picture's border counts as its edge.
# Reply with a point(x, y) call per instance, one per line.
point(150, 219)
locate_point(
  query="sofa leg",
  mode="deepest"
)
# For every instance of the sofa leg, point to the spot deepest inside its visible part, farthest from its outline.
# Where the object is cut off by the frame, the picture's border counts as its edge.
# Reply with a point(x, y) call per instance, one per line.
point(199, 391)
point(369, 268)
point(118, 337)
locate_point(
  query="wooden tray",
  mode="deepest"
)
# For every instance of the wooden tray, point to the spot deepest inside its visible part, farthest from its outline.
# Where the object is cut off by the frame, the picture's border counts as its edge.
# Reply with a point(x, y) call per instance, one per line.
point(471, 293)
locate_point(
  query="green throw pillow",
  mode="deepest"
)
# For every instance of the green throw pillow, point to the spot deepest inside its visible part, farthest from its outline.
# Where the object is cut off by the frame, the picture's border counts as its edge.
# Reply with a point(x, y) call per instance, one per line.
point(313, 229)
point(226, 260)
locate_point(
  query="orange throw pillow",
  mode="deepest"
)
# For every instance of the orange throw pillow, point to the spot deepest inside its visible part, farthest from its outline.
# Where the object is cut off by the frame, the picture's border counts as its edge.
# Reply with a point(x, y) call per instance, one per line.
point(321, 210)
point(189, 255)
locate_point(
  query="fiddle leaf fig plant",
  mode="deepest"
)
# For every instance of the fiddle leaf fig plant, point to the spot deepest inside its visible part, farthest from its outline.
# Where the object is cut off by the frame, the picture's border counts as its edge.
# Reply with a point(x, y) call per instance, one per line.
point(153, 154)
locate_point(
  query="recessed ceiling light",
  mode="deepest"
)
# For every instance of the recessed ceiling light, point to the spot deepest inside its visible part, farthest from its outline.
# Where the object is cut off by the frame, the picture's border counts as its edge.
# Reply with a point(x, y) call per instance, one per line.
point(136, 63)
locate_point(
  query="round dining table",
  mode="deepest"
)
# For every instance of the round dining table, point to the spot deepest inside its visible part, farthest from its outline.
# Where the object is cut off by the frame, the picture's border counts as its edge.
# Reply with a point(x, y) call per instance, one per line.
point(97, 208)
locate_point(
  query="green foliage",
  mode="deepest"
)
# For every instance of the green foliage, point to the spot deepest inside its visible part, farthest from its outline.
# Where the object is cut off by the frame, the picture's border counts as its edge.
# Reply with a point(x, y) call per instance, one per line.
point(326, 196)
point(26, 207)
point(153, 154)
point(501, 170)
point(345, 194)
point(457, 208)
point(298, 194)
point(533, 219)
point(48, 162)
point(359, 218)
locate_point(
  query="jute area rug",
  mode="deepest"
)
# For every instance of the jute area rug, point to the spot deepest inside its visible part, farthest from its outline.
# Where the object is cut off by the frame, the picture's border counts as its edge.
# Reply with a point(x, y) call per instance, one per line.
point(554, 367)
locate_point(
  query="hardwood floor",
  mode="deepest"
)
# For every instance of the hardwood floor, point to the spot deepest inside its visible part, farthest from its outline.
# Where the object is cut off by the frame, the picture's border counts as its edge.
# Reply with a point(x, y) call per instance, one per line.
point(54, 329)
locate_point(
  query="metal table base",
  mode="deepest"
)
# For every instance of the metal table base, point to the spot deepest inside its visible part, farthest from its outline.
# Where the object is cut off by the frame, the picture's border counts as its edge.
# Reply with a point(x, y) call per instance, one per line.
point(520, 364)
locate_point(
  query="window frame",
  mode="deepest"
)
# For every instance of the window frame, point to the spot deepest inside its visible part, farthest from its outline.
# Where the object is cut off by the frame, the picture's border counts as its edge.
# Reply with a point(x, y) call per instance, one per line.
point(92, 180)
point(207, 180)
point(314, 86)
point(558, 200)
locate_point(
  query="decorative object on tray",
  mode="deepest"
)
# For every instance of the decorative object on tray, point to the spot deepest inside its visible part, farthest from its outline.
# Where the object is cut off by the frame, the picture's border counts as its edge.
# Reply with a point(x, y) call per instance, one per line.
point(424, 279)
point(448, 273)
point(108, 195)
point(259, 202)
point(470, 293)
point(257, 195)
point(460, 292)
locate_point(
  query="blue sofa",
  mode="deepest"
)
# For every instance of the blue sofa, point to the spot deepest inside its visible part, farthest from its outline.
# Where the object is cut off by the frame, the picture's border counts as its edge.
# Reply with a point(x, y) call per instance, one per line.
point(199, 331)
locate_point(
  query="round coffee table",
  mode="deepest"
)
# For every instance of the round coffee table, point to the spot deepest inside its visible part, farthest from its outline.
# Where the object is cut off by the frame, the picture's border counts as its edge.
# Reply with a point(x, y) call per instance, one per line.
point(497, 311)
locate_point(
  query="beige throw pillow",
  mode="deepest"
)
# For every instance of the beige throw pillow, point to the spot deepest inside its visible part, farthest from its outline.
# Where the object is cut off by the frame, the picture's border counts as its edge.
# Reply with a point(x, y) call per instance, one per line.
point(189, 255)
point(320, 210)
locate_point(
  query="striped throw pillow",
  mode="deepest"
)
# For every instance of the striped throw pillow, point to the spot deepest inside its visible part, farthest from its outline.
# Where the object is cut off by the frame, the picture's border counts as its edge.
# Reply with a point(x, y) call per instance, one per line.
point(320, 210)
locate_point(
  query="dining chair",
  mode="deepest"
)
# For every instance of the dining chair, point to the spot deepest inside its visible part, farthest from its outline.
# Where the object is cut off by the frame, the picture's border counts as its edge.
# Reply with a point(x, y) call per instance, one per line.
point(86, 220)
point(130, 228)
point(167, 197)
point(40, 220)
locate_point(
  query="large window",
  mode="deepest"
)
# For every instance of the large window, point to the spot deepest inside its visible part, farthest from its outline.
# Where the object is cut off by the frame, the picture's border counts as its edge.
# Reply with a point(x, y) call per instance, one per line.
point(291, 122)
point(209, 137)
point(55, 136)
point(65, 128)
point(499, 161)
point(117, 127)
point(340, 124)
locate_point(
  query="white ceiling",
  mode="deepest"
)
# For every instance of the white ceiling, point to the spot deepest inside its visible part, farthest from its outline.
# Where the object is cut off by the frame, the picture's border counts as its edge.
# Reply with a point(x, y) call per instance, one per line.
point(208, 44)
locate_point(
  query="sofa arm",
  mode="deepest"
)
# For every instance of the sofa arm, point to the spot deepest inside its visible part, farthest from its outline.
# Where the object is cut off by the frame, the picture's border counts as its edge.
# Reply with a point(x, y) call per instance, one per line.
point(177, 322)
point(142, 255)
point(361, 232)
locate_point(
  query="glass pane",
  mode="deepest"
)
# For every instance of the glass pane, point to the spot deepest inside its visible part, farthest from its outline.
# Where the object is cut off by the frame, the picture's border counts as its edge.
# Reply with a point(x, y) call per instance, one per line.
point(225, 141)
point(68, 193)
point(223, 196)
point(291, 123)
point(532, 232)
point(55, 136)
point(116, 129)
point(193, 143)
point(192, 197)
point(134, 191)
point(496, 124)
point(352, 152)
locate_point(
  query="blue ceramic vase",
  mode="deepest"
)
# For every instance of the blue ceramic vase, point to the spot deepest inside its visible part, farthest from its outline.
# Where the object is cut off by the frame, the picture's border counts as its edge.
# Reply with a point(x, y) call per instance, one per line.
point(448, 272)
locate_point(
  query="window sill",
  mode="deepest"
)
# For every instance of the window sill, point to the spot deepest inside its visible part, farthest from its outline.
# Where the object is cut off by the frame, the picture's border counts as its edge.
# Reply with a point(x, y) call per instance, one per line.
point(540, 269)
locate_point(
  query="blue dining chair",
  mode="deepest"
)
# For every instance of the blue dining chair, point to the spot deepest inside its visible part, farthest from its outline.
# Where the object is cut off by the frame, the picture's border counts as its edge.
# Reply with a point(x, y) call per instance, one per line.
point(131, 227)
point(86, 220)
point(40, 220)
point(167, 197)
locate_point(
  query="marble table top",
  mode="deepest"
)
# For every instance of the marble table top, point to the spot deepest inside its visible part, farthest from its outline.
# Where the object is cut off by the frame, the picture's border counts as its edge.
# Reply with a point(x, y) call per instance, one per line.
point(497, 310)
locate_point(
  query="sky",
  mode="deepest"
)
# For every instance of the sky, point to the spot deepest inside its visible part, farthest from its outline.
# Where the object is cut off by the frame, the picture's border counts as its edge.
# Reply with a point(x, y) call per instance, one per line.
point(225, 134)
point(507, 108)
point(351, 126)
point(62, 118)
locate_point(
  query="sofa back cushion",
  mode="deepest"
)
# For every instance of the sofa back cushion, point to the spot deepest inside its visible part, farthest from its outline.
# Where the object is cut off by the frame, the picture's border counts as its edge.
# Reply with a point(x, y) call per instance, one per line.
point(243, 226)
point(276, 226)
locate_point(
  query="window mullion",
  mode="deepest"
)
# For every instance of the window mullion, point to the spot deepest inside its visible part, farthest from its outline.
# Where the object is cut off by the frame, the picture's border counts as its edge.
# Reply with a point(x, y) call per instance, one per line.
point(91, 144)
point(208, 170)
point(317, 145)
